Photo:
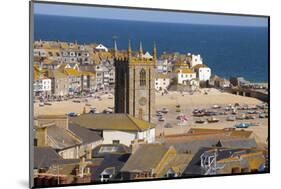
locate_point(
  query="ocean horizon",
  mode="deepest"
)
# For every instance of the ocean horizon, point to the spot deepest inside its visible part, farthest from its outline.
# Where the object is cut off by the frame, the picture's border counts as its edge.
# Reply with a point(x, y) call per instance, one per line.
point(227, 50)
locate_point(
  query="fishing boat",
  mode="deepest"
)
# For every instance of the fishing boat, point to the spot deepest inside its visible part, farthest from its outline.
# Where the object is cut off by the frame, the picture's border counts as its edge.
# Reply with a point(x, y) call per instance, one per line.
point(165, 110)
point(242, 125)
point(230, 118)
point(201, 121)
point(216, 106)
point(213, 120)
point(241, 117)
point(178, 110)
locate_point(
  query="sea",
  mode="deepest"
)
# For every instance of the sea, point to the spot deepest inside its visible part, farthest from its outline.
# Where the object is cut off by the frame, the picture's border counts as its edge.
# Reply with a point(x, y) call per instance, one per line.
point(228, 50)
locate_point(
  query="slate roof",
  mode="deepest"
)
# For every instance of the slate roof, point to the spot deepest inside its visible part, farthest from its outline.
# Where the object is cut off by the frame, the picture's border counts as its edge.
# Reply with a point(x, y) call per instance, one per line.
point(145, 158)
point(198, 138)
point(102, 150)
point(85, 135)
point(44, 157)
point(238, 143)
point(121, 122)
point(60, 138)
point(177, 164)
point(115, 161)
point(194, 167)
point(192, 143)
point(192, 146)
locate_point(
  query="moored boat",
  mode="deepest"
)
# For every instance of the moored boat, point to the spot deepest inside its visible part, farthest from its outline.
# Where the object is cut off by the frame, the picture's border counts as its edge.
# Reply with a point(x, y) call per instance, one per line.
point(213, 120)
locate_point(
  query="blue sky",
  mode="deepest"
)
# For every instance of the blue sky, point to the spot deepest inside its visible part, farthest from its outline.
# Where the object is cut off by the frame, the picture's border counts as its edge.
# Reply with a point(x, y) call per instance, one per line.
point(147, 15)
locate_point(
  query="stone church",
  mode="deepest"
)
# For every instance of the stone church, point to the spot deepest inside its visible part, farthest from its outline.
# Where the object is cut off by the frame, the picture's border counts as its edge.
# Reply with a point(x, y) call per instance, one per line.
point(134, 83)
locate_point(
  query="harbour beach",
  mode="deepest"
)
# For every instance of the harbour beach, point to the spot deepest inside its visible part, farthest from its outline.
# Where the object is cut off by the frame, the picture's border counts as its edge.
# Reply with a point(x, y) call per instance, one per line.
point(188, 103)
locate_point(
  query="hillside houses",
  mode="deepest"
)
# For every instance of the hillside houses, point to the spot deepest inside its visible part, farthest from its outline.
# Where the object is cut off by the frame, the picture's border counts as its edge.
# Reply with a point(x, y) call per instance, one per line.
point(76, 68)
point(186, 69)
point(71, 68)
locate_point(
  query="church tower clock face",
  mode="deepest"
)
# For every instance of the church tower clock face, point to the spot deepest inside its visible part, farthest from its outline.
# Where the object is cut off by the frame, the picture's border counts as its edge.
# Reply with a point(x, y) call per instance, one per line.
point(142, 101)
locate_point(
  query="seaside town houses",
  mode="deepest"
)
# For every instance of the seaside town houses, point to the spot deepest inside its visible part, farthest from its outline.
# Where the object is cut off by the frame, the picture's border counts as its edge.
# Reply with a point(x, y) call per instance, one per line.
point(76, 68)
point(122, 143)
point(62, 69)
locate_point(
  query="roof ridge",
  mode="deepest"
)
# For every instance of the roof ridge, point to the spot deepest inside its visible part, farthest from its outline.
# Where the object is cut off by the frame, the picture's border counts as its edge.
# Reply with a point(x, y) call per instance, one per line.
point(131, 119)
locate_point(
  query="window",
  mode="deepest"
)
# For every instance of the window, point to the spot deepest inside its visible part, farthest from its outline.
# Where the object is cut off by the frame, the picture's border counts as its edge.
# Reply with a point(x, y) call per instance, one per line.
point(116, 142)
point(142, 77)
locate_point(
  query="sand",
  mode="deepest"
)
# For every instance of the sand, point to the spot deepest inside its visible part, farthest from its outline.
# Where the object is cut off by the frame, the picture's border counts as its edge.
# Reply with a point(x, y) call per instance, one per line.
point(188, 103)
point(200, 100)
point(63, 107)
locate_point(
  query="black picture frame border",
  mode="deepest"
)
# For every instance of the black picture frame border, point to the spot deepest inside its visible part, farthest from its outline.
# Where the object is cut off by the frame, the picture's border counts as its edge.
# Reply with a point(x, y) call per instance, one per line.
point(31, 40)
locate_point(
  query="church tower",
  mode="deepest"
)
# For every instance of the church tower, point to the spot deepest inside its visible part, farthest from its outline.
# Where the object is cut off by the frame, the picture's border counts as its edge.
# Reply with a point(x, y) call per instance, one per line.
point(134, 84)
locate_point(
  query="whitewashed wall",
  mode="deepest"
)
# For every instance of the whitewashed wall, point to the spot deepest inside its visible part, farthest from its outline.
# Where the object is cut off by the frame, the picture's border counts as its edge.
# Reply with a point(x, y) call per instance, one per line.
point(204, 74)
point(126, 137)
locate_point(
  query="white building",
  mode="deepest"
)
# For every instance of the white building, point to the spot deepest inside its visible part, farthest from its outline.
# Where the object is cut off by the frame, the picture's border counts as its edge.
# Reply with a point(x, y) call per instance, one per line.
point(162, 81)
point(184, 75)
point(111, 73)
point(194, 84)
point(42, 86)
point(118, 128)
point(40, 52)
point(101, 47)
point(162, 66)
point(203, 72)
point(69, 56)
point(195, 60)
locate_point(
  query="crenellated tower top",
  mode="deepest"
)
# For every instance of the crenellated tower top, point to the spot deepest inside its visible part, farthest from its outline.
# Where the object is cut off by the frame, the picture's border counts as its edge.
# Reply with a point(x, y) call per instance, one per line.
point(134, 57)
